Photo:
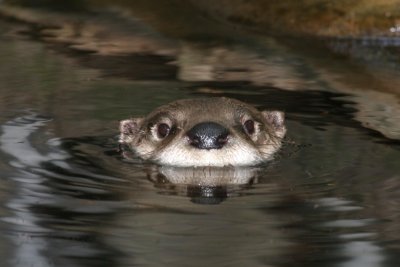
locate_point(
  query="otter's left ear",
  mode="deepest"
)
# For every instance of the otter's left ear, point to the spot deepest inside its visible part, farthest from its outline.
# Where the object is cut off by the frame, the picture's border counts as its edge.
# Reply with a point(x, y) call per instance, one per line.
point(277, 120)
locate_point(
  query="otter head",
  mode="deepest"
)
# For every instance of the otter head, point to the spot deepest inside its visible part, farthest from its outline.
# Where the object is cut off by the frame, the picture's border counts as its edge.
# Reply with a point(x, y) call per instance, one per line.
point(205, 132)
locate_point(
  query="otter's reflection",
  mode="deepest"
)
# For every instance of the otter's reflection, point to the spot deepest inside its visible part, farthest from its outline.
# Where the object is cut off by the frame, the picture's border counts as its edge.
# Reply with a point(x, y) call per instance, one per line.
point(207, 194)
point(204, 185)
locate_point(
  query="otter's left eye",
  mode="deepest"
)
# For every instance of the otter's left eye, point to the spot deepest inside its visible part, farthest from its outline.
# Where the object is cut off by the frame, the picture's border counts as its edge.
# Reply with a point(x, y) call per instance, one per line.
point(163, 130)
point(249, 126)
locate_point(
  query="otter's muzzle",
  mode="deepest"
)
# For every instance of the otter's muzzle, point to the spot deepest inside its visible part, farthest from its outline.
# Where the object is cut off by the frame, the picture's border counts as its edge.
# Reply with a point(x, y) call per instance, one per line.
point(208, 135)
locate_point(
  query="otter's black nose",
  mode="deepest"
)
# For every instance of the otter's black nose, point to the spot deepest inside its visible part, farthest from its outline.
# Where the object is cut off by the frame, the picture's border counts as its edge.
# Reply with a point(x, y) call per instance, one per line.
point(208, 135)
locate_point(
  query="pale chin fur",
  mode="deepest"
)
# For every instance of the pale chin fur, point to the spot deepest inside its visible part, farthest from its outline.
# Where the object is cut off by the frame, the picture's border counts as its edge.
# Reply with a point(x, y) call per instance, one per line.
point(183, 155)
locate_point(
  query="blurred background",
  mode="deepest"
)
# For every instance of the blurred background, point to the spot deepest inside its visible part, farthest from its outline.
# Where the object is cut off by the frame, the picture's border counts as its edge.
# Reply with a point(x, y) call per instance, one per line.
point(346, 46)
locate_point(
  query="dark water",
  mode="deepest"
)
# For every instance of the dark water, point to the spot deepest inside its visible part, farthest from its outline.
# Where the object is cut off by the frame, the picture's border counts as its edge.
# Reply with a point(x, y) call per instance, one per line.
point(68, 198)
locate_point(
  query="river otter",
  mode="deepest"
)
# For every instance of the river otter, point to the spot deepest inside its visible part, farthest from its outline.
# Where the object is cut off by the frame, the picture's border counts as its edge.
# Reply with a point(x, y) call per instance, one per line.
point(205, 132)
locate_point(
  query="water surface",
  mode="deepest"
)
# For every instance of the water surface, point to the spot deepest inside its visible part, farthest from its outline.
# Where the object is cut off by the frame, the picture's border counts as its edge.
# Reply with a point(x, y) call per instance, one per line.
point(330, 198)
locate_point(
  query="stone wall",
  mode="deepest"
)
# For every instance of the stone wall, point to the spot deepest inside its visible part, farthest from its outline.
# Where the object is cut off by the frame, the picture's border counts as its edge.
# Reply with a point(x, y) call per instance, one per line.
point(314, 17)
point(282, 17)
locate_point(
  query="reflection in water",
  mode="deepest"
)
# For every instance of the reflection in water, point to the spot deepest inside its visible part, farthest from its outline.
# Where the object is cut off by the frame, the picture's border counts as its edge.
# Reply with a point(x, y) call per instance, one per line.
point(52, 222)
point(208, 176)
point(221, 63)
point(357, 247)
point(204, 185)
point(362, 253)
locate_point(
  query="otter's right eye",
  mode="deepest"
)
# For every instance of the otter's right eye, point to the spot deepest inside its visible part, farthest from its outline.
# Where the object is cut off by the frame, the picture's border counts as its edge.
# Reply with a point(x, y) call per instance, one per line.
point(163, 130)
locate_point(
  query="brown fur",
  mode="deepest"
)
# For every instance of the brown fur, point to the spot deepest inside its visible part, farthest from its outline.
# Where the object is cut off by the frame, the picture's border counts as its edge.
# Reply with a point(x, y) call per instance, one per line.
point(182, 115)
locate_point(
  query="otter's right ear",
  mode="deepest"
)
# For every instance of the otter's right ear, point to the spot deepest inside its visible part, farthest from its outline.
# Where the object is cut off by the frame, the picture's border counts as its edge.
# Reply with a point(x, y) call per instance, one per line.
point(277, 120)
point(128, 129)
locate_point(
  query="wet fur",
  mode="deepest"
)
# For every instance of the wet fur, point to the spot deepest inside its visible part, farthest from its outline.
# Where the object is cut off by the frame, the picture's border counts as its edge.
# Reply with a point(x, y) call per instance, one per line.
point(241, 149)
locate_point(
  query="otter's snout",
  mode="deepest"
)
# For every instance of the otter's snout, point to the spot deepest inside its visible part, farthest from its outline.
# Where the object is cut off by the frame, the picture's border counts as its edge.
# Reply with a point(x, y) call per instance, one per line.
point(208, 135)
